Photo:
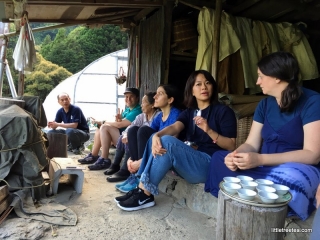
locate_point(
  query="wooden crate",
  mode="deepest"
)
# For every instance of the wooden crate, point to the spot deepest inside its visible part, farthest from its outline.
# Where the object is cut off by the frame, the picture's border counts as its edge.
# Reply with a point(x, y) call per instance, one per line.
point(4, 198)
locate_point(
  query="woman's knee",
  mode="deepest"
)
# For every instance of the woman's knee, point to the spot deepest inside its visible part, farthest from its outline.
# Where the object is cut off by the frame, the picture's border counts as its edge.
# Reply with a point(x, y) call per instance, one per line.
point(133, 130)
point(220, 155)
point(104, 128)
point(167, 139)
point(145, 131)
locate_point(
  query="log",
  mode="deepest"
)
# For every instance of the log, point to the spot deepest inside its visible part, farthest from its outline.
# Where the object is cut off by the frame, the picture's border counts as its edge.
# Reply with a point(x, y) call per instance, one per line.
point(57, 145)
point(236, 220)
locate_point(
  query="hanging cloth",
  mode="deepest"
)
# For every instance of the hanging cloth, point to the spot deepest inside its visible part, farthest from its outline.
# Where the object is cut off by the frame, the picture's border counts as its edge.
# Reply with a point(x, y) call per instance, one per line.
point(24, 54)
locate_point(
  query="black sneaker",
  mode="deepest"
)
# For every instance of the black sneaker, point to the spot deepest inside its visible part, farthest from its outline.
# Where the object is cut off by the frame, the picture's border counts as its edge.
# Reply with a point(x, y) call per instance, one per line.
point(137, 201)
point(89, 159)
point(100, 164)
point(126, 196)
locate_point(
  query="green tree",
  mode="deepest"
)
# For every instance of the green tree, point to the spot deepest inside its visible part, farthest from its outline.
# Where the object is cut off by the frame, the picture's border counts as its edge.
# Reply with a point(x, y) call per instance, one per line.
point(83, 45)
point(44, 78)
point(46, 40)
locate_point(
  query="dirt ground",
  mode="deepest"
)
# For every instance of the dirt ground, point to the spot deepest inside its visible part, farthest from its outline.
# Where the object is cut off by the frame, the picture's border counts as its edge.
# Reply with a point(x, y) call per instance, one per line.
point(100, 218)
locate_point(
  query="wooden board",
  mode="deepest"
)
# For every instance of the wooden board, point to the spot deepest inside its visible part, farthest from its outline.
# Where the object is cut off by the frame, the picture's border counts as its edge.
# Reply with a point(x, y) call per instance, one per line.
point(57, 145)
point(4, 192)
point(4, 198)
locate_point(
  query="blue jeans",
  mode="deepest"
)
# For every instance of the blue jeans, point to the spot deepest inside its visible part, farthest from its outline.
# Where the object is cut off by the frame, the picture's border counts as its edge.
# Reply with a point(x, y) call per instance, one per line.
point(190, 164)
point(76, 137)
point(316, 226)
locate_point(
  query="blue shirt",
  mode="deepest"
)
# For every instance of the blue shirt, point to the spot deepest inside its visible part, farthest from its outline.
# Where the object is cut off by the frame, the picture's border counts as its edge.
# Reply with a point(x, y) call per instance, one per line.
point(73, 115)
point(157, 123)
point(308, 106)
point(220, 118)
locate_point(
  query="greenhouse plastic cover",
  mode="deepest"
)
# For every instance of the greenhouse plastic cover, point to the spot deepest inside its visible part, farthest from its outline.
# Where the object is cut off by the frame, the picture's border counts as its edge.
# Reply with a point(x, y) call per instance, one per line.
point(94, 89)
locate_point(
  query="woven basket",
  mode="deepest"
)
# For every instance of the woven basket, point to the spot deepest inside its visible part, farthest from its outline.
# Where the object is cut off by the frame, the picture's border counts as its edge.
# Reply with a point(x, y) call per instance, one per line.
point(243, 129)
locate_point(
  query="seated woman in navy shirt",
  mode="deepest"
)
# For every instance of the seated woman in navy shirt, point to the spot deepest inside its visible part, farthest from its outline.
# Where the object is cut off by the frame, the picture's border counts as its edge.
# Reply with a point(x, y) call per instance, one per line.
point(283, 144)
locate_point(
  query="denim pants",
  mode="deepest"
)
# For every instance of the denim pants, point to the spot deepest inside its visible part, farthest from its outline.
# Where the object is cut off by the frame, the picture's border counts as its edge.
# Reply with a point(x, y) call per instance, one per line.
point(316, 226)
point(76, 137)
point(190, 164)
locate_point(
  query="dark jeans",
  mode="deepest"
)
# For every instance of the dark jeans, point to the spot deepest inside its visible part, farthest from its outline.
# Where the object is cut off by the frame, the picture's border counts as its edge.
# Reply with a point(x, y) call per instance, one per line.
point(121, 150)
point(137, 140)
point(76, 137)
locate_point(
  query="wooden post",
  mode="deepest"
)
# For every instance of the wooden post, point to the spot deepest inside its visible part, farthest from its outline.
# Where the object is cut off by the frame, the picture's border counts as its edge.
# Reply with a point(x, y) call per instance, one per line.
point(21, 83)
point(216, 39)
point(166, 41)
point(57, 145)
point(3, 53)
point(237, 220)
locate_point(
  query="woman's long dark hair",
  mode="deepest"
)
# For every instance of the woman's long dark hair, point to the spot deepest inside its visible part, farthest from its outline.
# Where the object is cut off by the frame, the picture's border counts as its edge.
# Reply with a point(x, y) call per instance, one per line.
point(172, 91)
point(284, 66)
point(189, 100)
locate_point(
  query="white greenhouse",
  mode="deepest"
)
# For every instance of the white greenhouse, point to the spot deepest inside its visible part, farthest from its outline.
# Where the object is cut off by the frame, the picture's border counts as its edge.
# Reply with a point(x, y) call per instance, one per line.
point(94, 89)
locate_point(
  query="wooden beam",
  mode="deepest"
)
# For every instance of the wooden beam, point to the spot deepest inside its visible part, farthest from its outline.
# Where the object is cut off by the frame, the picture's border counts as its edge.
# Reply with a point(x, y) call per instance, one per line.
point(243, 6)
point(112, 3)
point(280, 14)
point(71, 21)
point(115, 17)
point(166, 42)
point(81, 21)
point(144, 12)
point(38, 29)
point(190, 5)
point(185, 54)
point(200, 3)
point(216, 40)
point(109, 10)
point(21, 83)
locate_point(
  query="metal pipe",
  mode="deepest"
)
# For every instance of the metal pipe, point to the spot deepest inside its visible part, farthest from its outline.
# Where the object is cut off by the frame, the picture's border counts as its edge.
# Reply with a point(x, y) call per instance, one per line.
point(2, 62)
point(10, 80)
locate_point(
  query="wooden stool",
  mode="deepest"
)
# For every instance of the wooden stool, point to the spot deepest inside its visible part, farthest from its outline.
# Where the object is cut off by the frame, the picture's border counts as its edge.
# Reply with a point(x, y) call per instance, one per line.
point(60, 166)
point(236, 220)
point(57, 145)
